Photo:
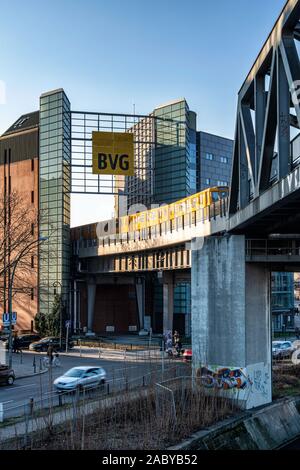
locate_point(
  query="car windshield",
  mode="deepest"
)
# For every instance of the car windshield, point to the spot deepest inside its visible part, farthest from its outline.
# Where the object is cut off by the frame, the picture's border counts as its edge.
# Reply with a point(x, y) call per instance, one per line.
point(281, 345)
point(74, 373)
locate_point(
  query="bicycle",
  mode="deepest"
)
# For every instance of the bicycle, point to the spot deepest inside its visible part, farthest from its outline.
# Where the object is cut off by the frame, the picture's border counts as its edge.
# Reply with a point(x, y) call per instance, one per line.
point(55, 362)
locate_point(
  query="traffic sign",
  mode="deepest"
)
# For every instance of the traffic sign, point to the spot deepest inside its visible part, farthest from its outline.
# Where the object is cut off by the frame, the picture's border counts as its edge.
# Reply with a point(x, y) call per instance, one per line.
point(6, 321)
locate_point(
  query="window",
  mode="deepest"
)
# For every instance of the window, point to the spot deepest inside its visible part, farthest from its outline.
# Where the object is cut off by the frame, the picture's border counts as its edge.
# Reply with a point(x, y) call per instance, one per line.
point(222, 183)
point(224, 160)
point(32, 164)
point(20, 122)
point(209, 156)
point(207, 180)
point(32, 197)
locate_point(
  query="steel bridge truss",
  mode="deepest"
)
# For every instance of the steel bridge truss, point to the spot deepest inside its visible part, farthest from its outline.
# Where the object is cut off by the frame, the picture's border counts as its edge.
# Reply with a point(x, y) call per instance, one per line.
point(268, 114)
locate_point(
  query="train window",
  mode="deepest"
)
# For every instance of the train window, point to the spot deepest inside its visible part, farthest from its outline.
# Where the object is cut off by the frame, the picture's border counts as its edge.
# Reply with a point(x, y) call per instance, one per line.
point(193, 218)
point(223, 194)
point(214, 196)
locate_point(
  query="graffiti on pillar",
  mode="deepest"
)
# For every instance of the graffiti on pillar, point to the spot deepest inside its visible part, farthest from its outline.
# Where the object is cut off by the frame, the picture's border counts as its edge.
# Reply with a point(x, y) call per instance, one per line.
point(225, 378)
point(261, 381)
point(251, 385)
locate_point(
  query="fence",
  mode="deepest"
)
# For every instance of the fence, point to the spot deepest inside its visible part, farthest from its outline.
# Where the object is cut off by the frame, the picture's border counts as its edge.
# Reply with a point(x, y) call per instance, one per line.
point(123, 378)
point(154, 416)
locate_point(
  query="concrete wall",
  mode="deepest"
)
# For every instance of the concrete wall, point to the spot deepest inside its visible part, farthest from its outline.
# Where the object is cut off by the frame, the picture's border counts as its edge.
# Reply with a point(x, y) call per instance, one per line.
point(231, 321)
point(268, 428)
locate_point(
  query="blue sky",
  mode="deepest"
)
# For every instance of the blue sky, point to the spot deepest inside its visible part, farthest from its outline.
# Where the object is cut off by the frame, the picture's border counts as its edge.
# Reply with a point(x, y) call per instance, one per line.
point(109, 55)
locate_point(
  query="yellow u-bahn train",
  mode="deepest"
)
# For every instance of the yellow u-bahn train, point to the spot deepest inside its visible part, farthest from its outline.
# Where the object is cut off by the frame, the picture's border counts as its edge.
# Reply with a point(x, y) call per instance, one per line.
point(164, 216)
point(169, 212)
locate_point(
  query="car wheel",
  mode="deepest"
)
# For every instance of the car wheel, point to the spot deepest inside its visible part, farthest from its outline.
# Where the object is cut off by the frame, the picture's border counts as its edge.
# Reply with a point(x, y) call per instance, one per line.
point(102, 383)
point(10, 380)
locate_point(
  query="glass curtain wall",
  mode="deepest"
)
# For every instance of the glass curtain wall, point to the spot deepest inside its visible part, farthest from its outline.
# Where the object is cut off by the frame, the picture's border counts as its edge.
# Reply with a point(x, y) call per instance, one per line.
point(54, 198)
point(175, 153)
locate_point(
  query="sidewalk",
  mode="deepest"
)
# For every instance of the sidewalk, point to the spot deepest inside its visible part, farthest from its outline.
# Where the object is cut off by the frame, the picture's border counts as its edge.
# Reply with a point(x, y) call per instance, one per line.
point(25, 365)
point(104, 353)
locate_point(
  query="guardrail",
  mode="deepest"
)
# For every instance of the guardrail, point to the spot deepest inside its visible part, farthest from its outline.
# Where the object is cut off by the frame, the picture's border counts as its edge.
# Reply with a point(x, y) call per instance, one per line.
point(267, 248)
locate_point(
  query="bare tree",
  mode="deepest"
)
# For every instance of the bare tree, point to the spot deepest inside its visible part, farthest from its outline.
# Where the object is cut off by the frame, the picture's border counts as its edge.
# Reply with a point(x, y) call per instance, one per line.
point(19, 240)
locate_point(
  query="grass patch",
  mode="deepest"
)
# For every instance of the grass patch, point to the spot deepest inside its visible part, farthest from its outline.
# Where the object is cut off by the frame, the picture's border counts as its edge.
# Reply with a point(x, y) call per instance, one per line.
point(286, 380)
point(153, 420)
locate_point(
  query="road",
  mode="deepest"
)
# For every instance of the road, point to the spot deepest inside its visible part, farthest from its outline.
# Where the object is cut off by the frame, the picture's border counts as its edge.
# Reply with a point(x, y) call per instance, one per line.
point(15, 398)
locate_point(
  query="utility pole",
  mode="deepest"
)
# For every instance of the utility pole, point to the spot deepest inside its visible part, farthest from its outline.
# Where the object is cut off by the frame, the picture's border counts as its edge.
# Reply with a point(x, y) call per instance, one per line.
point(58, 284)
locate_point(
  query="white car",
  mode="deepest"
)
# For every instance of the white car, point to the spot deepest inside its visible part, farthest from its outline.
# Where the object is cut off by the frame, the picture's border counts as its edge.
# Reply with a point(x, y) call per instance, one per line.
point(282, 349)
point(79, 378)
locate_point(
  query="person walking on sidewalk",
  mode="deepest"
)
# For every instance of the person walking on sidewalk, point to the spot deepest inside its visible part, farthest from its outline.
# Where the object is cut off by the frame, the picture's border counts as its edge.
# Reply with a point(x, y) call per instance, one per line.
point(16, 345)
point(50, 352)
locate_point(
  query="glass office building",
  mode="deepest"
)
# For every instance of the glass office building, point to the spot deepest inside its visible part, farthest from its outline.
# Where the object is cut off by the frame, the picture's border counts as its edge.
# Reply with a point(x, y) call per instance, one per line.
point(214, 158)
point(54, 187)
point(283, 301)
point(175, 153)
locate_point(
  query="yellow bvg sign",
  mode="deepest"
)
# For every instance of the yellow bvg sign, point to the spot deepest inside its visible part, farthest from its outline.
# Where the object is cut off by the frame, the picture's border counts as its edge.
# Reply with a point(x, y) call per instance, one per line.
point(113, 153)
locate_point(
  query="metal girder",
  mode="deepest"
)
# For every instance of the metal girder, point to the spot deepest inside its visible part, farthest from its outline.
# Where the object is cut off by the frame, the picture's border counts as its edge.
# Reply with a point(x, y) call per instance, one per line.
point(269, 132)
point(262, 149)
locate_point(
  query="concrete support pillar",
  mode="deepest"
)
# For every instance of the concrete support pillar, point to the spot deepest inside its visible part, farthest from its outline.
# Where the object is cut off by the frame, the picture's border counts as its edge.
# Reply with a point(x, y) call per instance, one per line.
point(91, 291)
point(231, 321)
point(168, 301)
point(140, 296)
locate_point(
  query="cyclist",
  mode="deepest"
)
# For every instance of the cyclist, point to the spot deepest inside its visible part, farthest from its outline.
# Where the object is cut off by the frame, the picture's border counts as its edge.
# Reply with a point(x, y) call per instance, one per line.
point(56, 360)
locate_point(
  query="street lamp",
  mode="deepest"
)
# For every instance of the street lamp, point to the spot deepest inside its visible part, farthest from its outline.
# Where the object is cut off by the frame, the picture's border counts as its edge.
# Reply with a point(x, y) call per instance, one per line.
point(58, 284)
point(10, 289)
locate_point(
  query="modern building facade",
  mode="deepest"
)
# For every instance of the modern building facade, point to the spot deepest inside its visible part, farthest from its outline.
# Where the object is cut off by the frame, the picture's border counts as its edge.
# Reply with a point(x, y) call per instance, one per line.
point(214, 157)
point(54, 198)
point(175, 154)
point(165, 158)
point(283, 301)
